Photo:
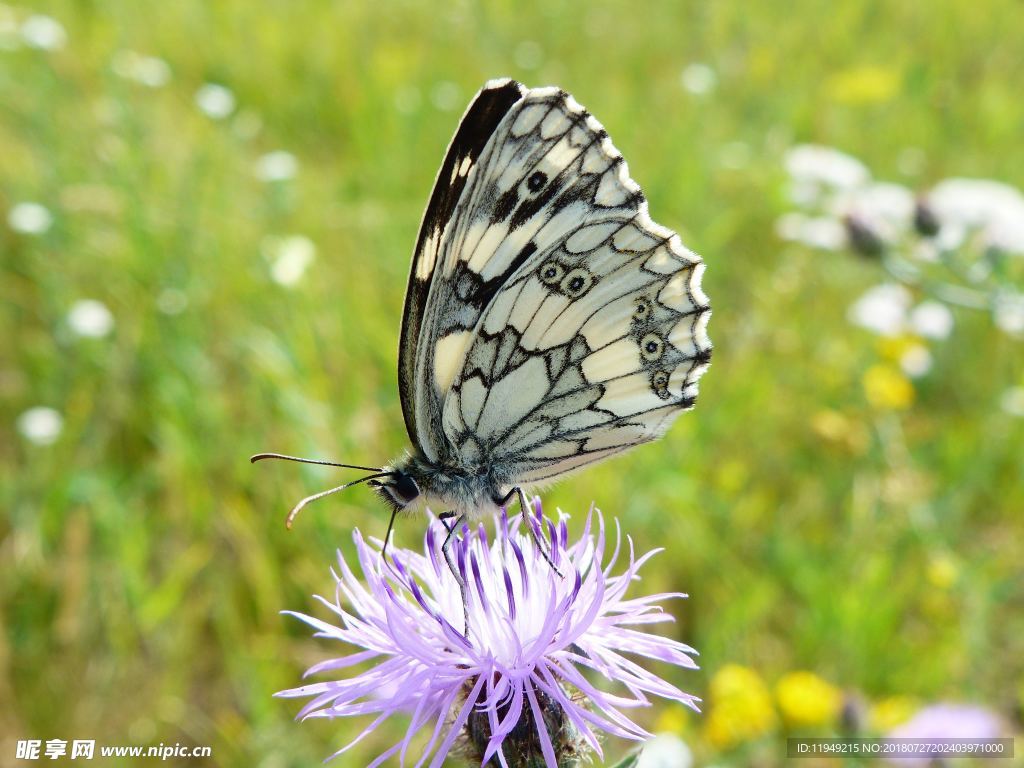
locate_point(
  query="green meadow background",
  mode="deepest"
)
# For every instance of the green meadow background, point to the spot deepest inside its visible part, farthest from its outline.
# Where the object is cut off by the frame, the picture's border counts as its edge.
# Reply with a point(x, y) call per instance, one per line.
point(876, 543)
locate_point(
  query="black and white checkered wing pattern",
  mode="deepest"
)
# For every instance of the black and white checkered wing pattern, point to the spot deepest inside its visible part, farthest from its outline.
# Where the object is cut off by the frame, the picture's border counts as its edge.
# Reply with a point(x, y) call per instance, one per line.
point(546, 169)
point(429, 309)
point(595, 336)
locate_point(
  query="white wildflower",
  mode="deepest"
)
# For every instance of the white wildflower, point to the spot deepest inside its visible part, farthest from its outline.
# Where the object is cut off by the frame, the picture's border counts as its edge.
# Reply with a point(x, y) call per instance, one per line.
point(290, 257)
point(149, 71)
point(1008, 313)
point(277, 166)
point(1012, 401)
point(882, 309)
point(215, 101)
point(43, 32)
point(916, 361)
point(699, 79)
point(825, 167)
point(40, 425)
point(932, 320)
point(90, 318)
point(665, 750)
point(29, 218)
point(886, 208)
point(994, 208)
point(816, 231)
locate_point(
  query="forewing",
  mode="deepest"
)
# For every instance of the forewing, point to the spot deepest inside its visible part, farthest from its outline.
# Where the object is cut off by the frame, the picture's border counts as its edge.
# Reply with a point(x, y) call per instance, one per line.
point(476, 128)
point(530, 186)
point(595, 343)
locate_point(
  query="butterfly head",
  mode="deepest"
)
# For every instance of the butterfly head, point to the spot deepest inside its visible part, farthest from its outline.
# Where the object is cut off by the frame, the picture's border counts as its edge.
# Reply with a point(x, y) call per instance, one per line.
point(398, 490)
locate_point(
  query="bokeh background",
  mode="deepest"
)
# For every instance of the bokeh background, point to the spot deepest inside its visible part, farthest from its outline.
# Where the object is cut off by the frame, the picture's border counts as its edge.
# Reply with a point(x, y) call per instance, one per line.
point(209, 210)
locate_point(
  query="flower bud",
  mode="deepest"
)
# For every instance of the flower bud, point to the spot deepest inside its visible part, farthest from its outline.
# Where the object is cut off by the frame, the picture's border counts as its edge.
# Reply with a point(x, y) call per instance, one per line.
point(925, 221)
point(863, 237)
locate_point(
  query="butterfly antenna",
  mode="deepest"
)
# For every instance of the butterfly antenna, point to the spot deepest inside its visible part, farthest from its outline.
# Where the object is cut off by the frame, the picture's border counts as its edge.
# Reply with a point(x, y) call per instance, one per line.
point(298, 507)
point(261, 456)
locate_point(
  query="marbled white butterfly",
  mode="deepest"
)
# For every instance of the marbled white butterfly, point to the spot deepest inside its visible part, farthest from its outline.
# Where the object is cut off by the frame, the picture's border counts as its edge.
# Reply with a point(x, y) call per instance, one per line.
point(549, 323)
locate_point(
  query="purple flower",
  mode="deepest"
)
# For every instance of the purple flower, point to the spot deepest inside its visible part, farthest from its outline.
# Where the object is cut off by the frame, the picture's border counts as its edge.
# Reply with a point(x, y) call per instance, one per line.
point(515, 692)
point(947, 721)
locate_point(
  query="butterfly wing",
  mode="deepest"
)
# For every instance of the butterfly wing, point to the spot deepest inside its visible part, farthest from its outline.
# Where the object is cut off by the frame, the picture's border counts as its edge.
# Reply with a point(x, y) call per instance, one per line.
point(588, 320)
point(494, 204)
point(475, 130)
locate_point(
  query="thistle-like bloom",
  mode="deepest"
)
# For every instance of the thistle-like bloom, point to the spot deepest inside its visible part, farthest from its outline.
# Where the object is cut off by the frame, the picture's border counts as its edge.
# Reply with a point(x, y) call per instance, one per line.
point(946, 721)
point(518, 691)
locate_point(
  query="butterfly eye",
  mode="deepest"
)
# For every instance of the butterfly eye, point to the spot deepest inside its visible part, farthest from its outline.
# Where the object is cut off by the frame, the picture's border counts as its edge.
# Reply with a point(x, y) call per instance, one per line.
point(651, 347)
point(576, 283)
point(659, 383)
point(551, 273)
point(536, 181)
point(406, 487)
point(642, 311)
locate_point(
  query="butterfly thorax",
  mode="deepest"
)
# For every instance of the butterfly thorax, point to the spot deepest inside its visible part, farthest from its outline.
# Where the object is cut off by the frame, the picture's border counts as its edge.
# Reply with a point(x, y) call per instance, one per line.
point(444, 486)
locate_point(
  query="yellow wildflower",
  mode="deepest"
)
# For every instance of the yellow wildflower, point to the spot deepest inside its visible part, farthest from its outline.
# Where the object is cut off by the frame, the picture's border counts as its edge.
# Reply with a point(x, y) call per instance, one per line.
point(837, 428)
point(863, 85)
point(887, 388)
point(740, 707)
point(889, 712)
point(893, 348)
point(806, 699)
point(943, 571)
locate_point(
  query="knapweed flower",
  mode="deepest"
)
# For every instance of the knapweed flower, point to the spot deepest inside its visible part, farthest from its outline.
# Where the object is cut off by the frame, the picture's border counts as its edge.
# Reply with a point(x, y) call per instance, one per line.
point(946, 721)
point(517, 691)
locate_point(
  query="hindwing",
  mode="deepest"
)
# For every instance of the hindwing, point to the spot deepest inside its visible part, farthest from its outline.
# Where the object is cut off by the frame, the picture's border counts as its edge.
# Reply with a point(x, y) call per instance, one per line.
point(594, 350)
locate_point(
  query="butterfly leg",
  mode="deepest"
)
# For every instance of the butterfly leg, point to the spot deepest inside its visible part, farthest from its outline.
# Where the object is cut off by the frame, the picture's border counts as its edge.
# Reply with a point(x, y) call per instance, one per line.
point(444, 517)
point(387, 540)
point(542, 545)
point(446, 550)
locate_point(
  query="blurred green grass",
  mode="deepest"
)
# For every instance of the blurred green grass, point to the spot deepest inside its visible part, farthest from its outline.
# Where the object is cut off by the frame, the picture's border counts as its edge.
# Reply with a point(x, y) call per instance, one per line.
point(145, 560)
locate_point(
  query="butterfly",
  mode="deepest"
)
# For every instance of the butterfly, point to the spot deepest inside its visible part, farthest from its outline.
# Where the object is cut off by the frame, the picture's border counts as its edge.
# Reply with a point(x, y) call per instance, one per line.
point(549, 323)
